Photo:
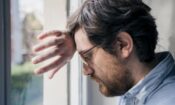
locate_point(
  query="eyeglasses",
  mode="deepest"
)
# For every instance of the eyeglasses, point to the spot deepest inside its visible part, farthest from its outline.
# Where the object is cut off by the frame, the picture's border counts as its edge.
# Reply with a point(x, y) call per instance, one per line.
point(87, 55)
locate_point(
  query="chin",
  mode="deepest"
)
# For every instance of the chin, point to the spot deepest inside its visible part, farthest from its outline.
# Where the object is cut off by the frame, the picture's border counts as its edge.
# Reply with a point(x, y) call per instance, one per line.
point(105, 91)
point(109, 92)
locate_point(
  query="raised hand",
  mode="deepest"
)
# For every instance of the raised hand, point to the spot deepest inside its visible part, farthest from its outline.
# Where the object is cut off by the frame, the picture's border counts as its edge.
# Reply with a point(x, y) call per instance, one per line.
point(55, 45)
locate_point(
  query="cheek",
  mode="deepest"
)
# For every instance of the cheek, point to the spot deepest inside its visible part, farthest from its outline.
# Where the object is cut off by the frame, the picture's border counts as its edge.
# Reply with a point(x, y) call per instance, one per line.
point(101, 73)
point(100, 65)
point(105, 64)
point(108, 68)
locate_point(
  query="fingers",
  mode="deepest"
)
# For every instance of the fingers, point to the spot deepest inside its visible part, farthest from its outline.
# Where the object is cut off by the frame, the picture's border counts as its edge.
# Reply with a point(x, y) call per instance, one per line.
point(56, 63)
point(54, 71)
point(49, 33)
point(48, 43)
point(56, 46)
point(54, 51)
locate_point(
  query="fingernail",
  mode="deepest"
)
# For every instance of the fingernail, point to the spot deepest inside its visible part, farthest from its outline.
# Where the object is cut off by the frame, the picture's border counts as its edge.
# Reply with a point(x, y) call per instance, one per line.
point(34, 61)
point(36, 72)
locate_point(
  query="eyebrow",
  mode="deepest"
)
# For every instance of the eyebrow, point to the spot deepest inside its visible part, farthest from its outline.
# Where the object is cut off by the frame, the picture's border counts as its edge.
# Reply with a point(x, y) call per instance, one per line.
point(86, 51)
point(83, 51)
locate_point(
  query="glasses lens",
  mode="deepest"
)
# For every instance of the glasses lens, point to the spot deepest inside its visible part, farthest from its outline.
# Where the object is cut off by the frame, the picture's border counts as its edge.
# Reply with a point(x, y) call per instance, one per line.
point(86, 57)
point(83, 59)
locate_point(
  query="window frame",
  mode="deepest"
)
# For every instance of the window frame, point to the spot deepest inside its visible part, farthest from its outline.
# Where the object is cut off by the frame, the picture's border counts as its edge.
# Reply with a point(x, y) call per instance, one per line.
point(77, 92)
point(5, 52)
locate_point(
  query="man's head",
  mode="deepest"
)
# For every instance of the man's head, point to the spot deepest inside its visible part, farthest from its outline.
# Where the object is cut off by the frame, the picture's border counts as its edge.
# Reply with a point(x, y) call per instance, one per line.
point(117, 32)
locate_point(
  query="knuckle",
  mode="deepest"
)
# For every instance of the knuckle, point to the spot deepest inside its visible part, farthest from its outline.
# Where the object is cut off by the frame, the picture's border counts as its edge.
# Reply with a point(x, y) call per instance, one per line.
point(39, 59)
point(43, 58)
point(55, 50)
point(43, 70)
point(55, 40)
point(55, 32)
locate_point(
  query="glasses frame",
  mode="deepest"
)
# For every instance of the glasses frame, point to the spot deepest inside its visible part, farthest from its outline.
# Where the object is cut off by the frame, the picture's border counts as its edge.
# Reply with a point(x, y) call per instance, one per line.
point(83, 55)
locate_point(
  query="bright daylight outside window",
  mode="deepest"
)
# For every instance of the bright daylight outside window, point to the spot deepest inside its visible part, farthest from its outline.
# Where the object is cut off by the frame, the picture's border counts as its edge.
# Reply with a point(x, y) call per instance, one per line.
point(26, 23)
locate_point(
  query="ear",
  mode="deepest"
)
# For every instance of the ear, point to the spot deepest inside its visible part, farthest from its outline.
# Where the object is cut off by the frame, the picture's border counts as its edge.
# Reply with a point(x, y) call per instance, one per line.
point(124, 44)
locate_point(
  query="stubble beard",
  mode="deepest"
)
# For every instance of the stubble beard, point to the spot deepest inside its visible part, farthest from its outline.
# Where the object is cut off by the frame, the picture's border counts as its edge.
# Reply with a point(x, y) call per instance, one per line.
point(116, 88)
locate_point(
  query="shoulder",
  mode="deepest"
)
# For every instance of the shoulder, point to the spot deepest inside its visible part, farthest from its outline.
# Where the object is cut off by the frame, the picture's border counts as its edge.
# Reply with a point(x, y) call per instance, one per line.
point(164, 94)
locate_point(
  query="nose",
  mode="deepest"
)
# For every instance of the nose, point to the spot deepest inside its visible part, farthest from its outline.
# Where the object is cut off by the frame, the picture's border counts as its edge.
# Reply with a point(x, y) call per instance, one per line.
point(87, 70)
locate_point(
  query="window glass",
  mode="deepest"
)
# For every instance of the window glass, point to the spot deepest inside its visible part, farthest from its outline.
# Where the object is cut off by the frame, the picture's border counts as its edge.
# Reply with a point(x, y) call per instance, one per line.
point(26, 23)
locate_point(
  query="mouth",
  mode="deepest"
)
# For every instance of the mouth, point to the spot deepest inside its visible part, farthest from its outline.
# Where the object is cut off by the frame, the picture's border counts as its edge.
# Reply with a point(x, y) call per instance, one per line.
point(95, 79)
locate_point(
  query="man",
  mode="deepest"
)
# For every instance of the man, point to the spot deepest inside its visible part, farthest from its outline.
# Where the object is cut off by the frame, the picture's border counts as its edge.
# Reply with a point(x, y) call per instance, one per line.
point(116, 40)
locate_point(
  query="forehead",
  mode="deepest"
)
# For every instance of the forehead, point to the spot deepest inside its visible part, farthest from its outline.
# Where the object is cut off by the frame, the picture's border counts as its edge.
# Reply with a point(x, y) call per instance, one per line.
point(81, 40)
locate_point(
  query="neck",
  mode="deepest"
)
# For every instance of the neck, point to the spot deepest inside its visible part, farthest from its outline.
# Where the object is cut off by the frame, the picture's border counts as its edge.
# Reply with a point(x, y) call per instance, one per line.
point(138, 69)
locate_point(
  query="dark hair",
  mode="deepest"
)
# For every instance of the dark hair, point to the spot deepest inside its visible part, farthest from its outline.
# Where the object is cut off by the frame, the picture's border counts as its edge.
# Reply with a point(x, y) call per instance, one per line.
point(103, 19)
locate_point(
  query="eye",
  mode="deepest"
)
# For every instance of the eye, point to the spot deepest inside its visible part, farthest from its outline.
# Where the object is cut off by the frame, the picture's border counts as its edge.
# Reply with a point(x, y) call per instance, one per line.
point(88, 56)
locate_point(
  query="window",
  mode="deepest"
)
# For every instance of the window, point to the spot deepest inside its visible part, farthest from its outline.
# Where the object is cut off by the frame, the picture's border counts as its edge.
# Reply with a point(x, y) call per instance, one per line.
point(26, 24)
point(21, 21)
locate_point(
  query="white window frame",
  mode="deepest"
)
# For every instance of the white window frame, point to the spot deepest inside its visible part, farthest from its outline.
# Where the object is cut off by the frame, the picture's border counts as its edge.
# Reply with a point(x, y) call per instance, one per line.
point(69, 77)
point(77, 82)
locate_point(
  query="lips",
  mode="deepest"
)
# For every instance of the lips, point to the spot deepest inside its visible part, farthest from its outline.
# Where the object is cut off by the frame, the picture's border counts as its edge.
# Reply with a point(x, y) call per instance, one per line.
point(95, 79)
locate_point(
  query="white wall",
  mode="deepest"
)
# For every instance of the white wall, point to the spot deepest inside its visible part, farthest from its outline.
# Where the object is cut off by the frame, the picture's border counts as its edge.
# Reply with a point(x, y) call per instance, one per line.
point(163, 11)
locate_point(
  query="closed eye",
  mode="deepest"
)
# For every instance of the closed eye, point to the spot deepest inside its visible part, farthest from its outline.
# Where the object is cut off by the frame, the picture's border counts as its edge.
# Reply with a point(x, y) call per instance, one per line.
point(87, 56)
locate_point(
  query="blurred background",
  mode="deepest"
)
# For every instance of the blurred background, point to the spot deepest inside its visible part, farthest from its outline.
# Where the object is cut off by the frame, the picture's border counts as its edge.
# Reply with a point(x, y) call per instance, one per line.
point(26, 23)
point(69, 86)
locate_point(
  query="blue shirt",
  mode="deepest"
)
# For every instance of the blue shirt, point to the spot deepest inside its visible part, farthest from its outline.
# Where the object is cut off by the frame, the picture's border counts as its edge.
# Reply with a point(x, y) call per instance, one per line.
point(157, 87)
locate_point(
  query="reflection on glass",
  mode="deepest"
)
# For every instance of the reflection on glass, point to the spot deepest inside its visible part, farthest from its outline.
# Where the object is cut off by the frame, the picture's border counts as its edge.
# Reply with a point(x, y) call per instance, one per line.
point(26, 22)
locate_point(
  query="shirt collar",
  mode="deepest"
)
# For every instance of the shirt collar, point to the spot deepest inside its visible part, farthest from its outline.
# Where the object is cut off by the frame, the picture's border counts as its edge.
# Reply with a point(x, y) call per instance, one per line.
point(153, 78)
